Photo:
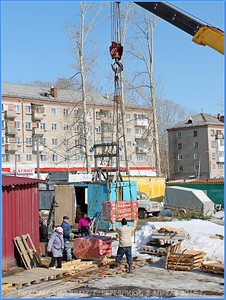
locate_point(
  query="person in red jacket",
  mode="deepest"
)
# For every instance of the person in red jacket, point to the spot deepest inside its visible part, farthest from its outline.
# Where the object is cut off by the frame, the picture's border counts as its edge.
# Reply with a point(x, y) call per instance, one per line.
point(83, 225)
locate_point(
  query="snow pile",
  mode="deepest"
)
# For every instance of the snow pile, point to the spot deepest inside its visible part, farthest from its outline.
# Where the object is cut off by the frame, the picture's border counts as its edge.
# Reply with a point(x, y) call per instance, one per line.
point(203, 236)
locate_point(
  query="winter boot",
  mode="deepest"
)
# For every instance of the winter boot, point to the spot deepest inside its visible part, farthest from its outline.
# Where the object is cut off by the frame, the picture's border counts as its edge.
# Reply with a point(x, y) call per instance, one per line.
point(114, 266)
point(130, 268)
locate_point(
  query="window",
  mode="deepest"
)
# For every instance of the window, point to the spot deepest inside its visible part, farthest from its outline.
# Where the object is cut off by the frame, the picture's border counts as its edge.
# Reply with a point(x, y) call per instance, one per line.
point(128, 117)
point(66, 157)
point(29, 141)
point(212, 132)
point(130, 157)
point(213, 144)
point(195, 133)
point(213, 166)
point(129, 143)
point(97, 113)
point(178, 135)
point(195, 144)
point(179, 146)
point(98, 129)
point(65, 112)
point(195, 156)
point(53, 111)
point(180, 157)
point(221, 142)
point(41, 125)
point(42, 141)
point(213, 155)
point(54, 126)
point(78, 112)
point(66, 142)
point(196, 167)
point(55, 157)
point(17, 108)
point(220, 166)
point(28, 157)
point(4, 106)
point(54, 141)
point(28, 125)
point(140, 157)
point(128, 130)
point(66, 127)
point(5, 157)
point(221, 153)
point(138, 130)
point(43, 110)
point(43, 157)
point(28, 109)
point(17, 157)
point(180, 168)
point(17, 125)
point(4, 124)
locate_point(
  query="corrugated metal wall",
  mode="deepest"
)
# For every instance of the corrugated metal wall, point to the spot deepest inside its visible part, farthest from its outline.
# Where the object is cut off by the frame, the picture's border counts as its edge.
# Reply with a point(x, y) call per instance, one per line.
point(20, 205)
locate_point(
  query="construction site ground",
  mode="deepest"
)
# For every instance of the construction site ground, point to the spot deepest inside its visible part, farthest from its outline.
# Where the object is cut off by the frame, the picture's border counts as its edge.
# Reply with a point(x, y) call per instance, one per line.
point(88, 279)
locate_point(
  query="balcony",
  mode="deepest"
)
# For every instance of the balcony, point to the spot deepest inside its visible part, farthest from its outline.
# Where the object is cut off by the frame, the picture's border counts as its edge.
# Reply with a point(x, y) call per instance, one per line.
point(37, 116)
point(10, 114)
point(10, 131)
point(141, 122)
point(219, 136)
point(37, 132)
point(10, 148)
point(34, 148)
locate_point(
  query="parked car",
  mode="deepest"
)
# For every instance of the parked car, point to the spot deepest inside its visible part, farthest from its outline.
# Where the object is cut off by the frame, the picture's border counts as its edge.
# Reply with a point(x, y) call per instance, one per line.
point(147, 207)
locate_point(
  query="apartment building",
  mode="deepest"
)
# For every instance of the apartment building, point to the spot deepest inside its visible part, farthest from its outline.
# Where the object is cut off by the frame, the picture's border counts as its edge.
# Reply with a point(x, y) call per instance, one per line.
point(43, 129)
point(196, 148)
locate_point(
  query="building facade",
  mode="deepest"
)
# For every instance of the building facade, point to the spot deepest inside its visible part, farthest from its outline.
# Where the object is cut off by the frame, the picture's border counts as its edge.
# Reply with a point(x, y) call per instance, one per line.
point(196, 148)
point(43, 130)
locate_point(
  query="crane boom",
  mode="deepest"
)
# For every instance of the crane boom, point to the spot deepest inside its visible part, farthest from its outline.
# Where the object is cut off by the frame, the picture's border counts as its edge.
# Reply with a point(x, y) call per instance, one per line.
point(202, 34)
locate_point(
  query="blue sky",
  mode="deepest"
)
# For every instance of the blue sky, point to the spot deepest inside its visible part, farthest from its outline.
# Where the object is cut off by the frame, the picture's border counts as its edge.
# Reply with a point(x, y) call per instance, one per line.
point(35, 46)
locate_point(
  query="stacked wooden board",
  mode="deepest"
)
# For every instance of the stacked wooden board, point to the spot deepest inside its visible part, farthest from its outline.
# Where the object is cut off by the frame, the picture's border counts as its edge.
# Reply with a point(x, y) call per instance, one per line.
point(185, 260)
point(212, 267)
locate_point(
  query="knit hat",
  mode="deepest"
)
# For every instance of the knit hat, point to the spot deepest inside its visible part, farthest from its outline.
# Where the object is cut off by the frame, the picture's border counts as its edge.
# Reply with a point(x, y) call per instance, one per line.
point(59, 229)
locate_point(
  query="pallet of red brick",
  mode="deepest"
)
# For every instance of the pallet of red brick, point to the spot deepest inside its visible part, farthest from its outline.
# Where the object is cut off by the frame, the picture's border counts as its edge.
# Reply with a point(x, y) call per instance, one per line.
point(117, 210)
point(92, 247)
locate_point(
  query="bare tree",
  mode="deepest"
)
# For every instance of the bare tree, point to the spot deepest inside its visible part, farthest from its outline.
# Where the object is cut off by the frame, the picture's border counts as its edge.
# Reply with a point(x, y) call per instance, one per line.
point(143, 81)
point(85, 60)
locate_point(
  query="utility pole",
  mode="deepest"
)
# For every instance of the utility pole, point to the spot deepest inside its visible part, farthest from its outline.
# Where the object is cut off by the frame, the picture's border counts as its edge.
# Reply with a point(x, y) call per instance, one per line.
point(38, 158)
point(15, 165)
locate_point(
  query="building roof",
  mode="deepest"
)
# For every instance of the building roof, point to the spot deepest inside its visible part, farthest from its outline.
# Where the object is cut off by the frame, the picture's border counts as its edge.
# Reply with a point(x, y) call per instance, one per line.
point(197, 181)
point(201, 119)
point(64, 96)
point(14, 180)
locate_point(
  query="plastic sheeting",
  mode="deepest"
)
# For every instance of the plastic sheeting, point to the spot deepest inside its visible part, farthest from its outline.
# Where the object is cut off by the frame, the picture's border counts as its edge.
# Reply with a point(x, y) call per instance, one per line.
point(188, 199)
point(92, 247)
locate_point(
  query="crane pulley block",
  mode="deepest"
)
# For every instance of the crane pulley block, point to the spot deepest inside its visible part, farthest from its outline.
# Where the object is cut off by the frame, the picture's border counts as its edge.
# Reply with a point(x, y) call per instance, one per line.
point(116, 50)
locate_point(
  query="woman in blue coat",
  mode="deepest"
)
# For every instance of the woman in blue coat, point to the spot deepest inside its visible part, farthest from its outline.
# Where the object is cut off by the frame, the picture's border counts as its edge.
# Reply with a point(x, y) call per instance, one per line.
point(56, 246)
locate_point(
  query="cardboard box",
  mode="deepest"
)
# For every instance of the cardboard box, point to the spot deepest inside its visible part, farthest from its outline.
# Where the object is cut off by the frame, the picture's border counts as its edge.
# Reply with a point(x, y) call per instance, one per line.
point(92, 247)
point(117, 210)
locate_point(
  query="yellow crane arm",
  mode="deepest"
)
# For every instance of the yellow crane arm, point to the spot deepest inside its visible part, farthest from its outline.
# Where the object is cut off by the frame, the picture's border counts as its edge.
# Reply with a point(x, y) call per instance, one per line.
point(211, 37)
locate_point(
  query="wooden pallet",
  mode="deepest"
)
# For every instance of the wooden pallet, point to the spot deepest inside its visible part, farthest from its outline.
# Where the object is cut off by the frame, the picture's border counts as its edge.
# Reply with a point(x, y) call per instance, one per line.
point(27, 251)
point(185, 260)
point(212, 267)
point(83, 271)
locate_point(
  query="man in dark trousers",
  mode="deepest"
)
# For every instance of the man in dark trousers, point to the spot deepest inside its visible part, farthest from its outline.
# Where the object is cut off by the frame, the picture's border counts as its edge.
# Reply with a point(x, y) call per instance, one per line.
point(67, 234)
point(125, 243)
